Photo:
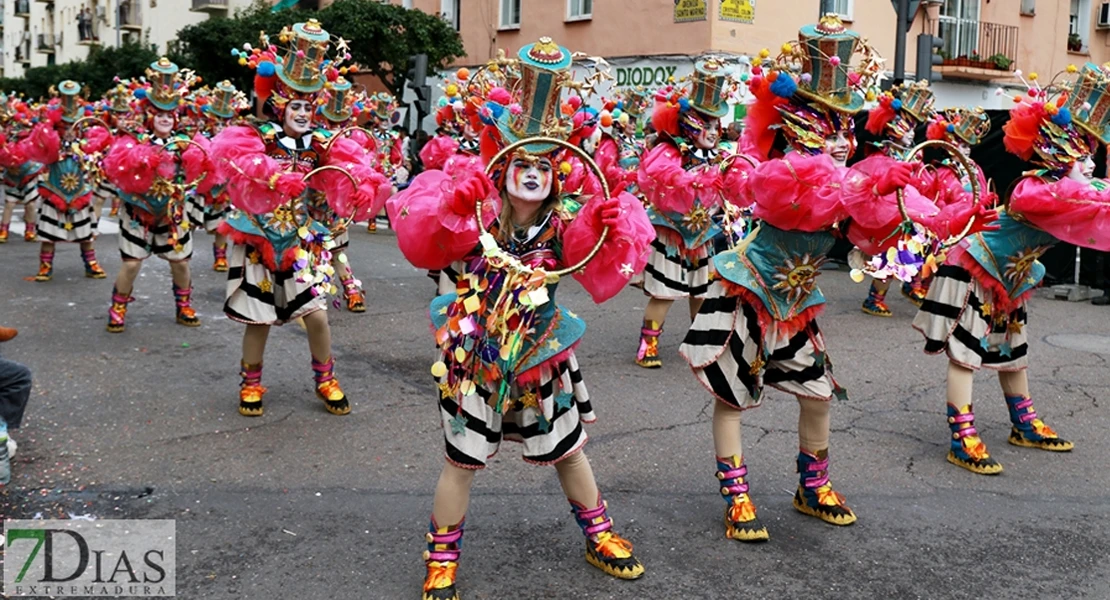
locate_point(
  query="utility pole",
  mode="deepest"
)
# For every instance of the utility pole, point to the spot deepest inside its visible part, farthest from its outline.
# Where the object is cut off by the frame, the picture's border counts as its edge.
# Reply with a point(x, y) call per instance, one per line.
point(903, 10)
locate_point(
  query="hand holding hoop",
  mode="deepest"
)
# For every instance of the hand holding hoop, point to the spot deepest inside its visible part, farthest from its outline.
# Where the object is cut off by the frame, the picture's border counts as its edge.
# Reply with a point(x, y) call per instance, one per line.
point(512, 261)
point(968, 168)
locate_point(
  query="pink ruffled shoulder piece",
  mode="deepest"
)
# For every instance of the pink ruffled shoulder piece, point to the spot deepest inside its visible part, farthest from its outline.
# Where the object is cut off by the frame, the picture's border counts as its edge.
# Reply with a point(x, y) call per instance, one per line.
point(97, 139)
point(348, 200)
point(664, 182)
point(875, 219)
point(798, 192)
point(429, 234)
point(131, 166)
point(435, 153)
point(42, 145)
point(198, 166)
point(623, 254)
point(735, 179)
point(1073, 211)
point(581, 179)
point(607, 157)
point(239, 155)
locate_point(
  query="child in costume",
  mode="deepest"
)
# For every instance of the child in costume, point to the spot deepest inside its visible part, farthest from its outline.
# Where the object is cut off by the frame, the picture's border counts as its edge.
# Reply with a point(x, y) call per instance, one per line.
point(508, 368)
point(122, 119)
point(66, 185)
point(146, 169)
point(687, 179)
point(976, 307)
point(20, 176)
point(280, 256)
point(391, 161)
point(206, 205)
point(757, 325)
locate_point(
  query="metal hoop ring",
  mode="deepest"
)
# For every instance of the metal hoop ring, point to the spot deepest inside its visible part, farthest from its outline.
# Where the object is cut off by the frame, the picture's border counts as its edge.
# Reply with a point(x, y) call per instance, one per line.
point(965, 164)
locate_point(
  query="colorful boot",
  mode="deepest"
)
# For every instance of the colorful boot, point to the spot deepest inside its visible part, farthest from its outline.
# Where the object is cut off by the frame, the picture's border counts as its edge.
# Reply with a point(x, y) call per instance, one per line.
point(967, 450)
point(648, 354)
point(46, 266)
point(372, 226)
point(442, 561)
point(251, 390)
point(185, 314)
point(875, 304)
point(327, 387)
point(740, 520)
point(4, 232)
point(1031, 432)
point(30, 233)
point(219, 253)
point(915, 291)
point(93, 269)
point(604, 548)
point(815, 496)
point(117, 313)
point(356, 302)
point(114, 212)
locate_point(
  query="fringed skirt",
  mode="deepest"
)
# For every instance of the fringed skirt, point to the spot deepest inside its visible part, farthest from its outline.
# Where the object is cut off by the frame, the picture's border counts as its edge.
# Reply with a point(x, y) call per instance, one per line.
point(732, 358)
point(958, 318)
point(259, 296)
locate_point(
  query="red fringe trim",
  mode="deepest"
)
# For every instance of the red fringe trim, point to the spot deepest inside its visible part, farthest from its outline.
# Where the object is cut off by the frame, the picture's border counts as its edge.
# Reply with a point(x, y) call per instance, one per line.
point(1001, 300)
point(262, 245)
point(535, 374)
point(60, 204)
point(783, 329)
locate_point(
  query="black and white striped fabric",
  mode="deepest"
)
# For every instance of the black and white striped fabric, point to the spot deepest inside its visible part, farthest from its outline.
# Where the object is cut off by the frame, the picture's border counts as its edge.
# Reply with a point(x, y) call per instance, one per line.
point(70, 226)
point(28, 193)
point(259, 296)
point(203, 217)
point(723, 344)
point(952, 320)
point(448, 277)
point(565, 405)
point(678, 276)
point(138, 242)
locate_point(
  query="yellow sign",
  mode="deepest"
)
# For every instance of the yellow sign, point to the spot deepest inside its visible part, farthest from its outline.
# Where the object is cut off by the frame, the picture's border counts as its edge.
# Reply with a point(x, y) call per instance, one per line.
point(738, 11)
point(686, 11)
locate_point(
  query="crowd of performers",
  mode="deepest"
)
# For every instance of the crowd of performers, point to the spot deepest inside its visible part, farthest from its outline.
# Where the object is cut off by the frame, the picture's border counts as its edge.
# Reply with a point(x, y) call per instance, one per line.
point(530, 179)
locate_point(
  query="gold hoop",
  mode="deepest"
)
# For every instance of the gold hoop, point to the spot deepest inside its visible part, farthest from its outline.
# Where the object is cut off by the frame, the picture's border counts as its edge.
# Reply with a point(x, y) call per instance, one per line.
point(97, 119)
point(497, 251)
point(965, 164)
point(345, 221)
point(342, 132)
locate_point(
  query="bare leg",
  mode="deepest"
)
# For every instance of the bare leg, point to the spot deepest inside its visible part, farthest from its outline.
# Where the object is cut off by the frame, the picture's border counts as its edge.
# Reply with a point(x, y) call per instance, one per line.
point(254, 343)
point(128, 271)
point(9, 208)
point(657, 310)
point(960, 382)
point(1014, 383)
point(319, 335)
point(726, 430)
point(452, 497)
point(180, 271)
point(695, 306)
point(813, 425)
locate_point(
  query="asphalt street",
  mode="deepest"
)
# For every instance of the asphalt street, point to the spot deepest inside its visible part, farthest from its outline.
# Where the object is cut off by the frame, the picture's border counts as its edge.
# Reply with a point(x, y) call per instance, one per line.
point(303, 504)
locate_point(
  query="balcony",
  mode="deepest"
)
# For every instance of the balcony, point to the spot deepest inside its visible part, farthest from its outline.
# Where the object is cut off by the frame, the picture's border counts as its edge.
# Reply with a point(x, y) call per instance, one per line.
point(977, 49)
point(23, 56)
point(130, 17)
point(22, 8)
point(210, 6)
point(46, 43)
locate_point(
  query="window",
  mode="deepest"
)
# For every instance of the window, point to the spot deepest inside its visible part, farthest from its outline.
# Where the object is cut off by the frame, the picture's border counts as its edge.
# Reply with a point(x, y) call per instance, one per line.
point(1079, 23)
point(842, 8)
point(449, 10)
point(1029, 7)
point(580, 10)
point(406, 4)
point(510, 14)
point(959, 28)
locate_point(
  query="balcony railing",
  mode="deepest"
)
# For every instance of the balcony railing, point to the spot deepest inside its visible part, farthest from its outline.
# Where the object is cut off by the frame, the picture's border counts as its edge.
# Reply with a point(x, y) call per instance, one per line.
point(978, 44)
point(210, 5)
point(46, 43)
point(130, 17)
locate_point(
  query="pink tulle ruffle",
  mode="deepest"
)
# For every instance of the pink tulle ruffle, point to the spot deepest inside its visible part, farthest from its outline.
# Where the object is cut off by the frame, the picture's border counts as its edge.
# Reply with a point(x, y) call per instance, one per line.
point(798, 192)
point(1073, 211)
point(623, 254)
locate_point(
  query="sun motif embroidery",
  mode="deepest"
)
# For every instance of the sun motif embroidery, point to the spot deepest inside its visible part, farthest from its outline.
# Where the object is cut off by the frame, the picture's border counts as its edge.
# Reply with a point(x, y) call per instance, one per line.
point(70, 182)
point(1020, 265)
point(282, 220)
point(797, 278)
point(697, 219)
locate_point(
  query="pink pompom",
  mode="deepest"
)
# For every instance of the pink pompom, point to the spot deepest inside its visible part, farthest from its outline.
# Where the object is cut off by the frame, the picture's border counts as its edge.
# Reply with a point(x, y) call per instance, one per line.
point(515, 108)
point(834, 60)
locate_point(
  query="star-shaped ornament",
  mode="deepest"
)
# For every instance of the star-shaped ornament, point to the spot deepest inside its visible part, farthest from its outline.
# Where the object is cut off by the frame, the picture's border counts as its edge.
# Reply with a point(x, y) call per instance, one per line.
point(543, 423)
point(626, 269)
point(458, 424)
point(564, 400)
point(444, 391)
point(1006, 350)
point(555, 344)
point(528, 399)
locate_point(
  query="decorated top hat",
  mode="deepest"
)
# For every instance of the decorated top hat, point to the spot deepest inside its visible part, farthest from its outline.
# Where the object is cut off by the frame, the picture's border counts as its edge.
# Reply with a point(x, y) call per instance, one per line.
point(544, 68)
point(340, 101)
point(1089, 102)
point(224, 101)
point(825, 52)
point(69, 92)
point(383, 107)
point(305, 52)
point(900, 110)
point(968, 125)
point(119, 99)
point(1042, 126)
point(634, 101)
point(709, 84)
point(164, 92)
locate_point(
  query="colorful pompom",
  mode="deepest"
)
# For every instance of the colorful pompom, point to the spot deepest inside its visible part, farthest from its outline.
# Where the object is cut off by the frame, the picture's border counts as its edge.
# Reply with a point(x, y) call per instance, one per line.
point(784, 86)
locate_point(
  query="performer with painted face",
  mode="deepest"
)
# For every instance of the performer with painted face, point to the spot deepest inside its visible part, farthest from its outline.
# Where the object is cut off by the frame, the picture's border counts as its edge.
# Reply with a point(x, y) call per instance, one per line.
point(207, 204)
point(280, 256)
point(115, 110)
point(20, 176)
point(391, 161)
point(686, 178)
point(146, 169)
point(457, 121)
point(976, 308)
point(757, 325)
point(508, 368)
point(619, 151)
point(66, 185)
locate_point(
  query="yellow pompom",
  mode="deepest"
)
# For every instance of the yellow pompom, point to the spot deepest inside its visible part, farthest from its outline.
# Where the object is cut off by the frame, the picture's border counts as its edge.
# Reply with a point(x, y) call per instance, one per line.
point(242, 62)
point(565, 168)
point(856, 275)
point(787, 48)
point(1072, 69)
point(1032, 77)
point(342, 70)
point(452, 90)
point(764, 53)
point(493, 69)
point(870, 96)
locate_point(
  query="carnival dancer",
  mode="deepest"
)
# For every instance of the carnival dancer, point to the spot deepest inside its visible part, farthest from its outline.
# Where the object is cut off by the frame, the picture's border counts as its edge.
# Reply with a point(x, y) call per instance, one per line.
point(976, 308)
point(20, 176)
point(619, 150)
point(688, 179)
point(391, 160)
point(894, 120)
point(66, 185)
point(495, 381)
point(279, 264)
point(757, 325)
point(114, 110)
point(206, 205)
point(146, 169)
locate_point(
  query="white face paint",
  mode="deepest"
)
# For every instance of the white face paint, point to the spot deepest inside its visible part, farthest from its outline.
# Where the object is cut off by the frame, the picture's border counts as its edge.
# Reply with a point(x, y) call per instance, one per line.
point(709, 135)
point(1082, 170)
point(907, 139)
point(839, 148)
point(163, 124)
point(529, 181)
point(298, 118)
point(965, 149)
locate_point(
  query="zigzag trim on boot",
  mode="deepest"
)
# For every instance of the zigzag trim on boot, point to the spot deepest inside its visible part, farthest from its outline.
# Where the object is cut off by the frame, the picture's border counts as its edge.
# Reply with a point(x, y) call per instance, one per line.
point(987, 466)
point(835, 515)
point(1050, 444)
